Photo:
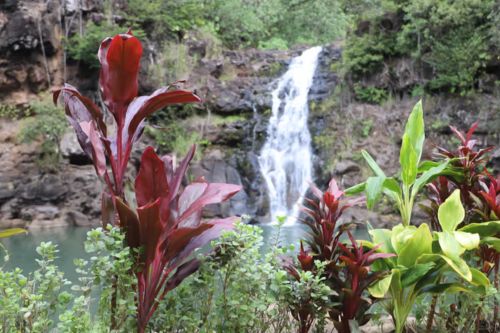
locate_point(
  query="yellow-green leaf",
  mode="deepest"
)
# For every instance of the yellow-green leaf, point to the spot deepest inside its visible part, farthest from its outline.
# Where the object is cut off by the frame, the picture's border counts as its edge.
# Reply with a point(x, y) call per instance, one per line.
point(11, 232)
point(451, 212)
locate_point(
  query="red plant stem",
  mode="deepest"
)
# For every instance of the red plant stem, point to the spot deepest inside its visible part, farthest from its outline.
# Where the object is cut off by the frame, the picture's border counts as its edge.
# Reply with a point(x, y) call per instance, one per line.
point(119, 159)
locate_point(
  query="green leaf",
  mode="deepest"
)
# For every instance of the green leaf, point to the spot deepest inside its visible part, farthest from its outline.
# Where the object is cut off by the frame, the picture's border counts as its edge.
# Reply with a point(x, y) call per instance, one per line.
point(449, 245)
point(382, 236)
point(419, 243)
point(380, 288)
point(492, 242)
point(484, 229)
point(356, 189)
point(415, 129)
point(400, 235)
point(459, 266)
point(392, 189)
point(479, 278)
point(445, 288)
point(11, 232)
point(373, 190)
point(451, 212)
point(415, 273)
point(408, 159)
point(467, 240)
point(372, 164)
point(427, 176)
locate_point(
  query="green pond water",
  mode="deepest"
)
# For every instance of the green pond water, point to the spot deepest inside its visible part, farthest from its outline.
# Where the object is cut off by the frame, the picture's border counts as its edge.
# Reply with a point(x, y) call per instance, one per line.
point(70, 240)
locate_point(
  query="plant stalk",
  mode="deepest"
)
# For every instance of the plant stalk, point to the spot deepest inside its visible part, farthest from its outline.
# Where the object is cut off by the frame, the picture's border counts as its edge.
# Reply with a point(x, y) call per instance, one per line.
point(432, 312)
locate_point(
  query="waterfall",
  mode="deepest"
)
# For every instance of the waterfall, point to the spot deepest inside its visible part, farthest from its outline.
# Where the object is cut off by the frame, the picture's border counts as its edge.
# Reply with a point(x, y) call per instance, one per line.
point(285, 160)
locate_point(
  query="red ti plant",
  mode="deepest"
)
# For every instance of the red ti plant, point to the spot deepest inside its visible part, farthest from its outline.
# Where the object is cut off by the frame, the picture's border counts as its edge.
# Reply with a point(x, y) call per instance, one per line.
point(119, 57)
point(347, 267)
point(467, 166)
point(360, 277)
point(491, 196)
point(168, 226)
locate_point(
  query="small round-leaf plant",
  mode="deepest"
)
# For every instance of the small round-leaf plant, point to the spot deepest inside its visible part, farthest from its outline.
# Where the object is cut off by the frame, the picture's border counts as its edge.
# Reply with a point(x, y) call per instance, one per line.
point(167, 224)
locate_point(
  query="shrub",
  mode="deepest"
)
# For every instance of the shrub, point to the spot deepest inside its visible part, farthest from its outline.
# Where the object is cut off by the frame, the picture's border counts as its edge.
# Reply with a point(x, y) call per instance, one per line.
point(372, 95)
point(165, 220)
point(237, 289)
point(47, 123)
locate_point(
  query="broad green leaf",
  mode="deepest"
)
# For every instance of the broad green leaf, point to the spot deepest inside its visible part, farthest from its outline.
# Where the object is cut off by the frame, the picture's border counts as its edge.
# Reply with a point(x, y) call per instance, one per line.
point(419, 243)
point(427, 176)
point(445, 288)
point(484, 229)
point(11, 232)
point(408, 159)
point(451, 212)
point(400, 235)
point(449, 245)
point(392, 189)
point(380, 288)
point(372, 164)
point(383, 237)
point(356, 189)
point(492, 242)
point(459, 266)
point(427, 165)
point(415, 273)
point(478, 278)
point(467, 240)
point(373, 190)
point(415, 129)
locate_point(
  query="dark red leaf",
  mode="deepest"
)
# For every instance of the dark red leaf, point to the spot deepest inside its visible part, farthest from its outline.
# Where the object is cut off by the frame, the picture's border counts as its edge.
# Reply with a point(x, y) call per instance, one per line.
point(119, 57)
point(150, 229)
point(143, 106)
point(151, 182)
point(97, 151)
point(130, 222)
point(197, 195)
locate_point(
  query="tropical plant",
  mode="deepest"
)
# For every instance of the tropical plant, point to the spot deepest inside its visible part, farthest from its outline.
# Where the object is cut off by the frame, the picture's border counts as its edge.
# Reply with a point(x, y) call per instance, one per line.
point(468, 174)
point(236, 289)
point(423, 258)
point(403, 193)
point(345, 268)
point(168, 225)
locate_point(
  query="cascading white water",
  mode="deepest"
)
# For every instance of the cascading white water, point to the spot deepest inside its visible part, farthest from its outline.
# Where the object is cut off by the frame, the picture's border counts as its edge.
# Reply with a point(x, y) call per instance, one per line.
point(285, 160)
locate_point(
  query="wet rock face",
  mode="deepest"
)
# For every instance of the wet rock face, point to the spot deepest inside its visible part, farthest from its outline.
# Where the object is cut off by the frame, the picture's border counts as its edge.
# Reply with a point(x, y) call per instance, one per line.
point(28, 29)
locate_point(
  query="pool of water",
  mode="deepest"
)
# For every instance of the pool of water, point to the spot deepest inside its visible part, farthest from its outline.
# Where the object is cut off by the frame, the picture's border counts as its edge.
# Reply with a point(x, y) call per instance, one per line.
point(70, 240)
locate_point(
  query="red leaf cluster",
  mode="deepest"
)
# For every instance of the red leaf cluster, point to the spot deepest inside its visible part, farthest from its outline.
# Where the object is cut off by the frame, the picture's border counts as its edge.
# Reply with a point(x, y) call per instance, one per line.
point(119, 57)
point(347, 266)
point(168, 226)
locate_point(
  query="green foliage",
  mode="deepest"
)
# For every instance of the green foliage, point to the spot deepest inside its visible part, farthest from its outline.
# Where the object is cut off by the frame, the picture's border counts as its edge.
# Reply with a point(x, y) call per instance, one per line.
point(365, 54)
point(10, 111)
point(109, 271)
point(166, 17)
point(33, 303)
point(372, 95)
point(47, 123)
point(235, 290)
point(457, 59)
point(172, 63)
point(174, 138)
point(454, 39)
point(84, 48)
point(29, 304)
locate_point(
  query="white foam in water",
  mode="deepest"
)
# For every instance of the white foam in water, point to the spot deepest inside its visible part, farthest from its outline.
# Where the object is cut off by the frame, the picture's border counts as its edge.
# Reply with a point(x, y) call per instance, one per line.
point(286, 158)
